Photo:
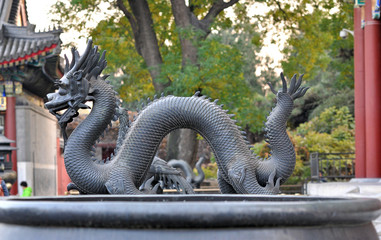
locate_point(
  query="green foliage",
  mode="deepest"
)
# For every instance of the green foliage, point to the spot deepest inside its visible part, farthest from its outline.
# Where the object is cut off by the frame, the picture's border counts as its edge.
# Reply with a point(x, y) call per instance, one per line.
point(219, 76)
point(314, 45)
point(76, 14)
point(132, 78)
point(328, 121)
point(210, 170)
point(219, 71)
point(331, 132)
point(246, 38)
point(226, 59)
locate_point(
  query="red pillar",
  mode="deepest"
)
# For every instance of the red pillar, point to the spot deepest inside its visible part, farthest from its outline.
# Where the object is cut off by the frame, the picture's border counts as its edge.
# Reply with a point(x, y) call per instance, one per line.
point(359, 95)
point(372, 56)
point(63, 178)
point(10, 132)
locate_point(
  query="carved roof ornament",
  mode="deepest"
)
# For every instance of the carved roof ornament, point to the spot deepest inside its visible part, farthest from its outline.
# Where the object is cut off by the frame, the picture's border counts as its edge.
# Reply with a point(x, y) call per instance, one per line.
point(20, 45)
point(29, 59)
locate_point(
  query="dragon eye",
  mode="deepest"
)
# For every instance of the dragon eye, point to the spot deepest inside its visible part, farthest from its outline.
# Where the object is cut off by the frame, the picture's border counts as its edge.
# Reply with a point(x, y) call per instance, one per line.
point(78, 75)
point(63, 87)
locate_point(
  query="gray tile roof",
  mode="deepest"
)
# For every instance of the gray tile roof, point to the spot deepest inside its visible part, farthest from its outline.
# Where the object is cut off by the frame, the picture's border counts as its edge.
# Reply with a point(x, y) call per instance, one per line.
point(18, 45)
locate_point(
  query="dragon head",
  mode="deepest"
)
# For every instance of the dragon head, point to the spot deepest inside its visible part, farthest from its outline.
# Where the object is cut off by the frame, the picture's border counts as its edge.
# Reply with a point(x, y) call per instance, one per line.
point(74, 88)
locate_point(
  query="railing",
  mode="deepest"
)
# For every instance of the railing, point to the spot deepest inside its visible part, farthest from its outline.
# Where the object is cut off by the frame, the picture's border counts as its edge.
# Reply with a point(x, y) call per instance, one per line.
point(332, 166)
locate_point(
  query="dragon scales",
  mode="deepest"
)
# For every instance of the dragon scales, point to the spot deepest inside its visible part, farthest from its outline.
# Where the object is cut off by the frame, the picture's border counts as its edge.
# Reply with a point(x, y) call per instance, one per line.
point(240, 171)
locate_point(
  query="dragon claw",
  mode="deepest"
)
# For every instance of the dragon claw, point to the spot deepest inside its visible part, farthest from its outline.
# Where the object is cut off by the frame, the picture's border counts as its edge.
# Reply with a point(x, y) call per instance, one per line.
point(272, 88)
point(292, 84)
point(277, 184)
point(294, 90)
point(72, 186)
point(147, 186)
point(270, 186)
point(155, 188)
point(149, 182)
point(300, 92)
point(161, 182)
point(284, 83)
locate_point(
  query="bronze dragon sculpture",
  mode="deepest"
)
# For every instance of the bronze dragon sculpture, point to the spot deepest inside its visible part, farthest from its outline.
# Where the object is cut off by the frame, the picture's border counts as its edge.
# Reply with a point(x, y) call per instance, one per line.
point(187, 170)
point(240, 171)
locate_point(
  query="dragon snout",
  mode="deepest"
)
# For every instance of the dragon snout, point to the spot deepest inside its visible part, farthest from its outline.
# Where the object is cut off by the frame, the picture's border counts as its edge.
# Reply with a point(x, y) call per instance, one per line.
point(50, 96)
point(56, 102)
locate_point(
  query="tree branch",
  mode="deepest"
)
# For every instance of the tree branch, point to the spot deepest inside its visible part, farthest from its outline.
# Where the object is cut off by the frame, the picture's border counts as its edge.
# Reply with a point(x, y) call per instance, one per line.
point(129, 16)
point(217, 7)
point(285, 15)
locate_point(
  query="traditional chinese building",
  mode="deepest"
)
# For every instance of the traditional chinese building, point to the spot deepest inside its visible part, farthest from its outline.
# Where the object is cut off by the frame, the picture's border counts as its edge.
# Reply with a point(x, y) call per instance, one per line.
point(29, 65)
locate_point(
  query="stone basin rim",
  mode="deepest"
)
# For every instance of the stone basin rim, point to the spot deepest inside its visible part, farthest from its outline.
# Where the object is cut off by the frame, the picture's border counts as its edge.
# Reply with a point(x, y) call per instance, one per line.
point(179, 211)
point(179, 197)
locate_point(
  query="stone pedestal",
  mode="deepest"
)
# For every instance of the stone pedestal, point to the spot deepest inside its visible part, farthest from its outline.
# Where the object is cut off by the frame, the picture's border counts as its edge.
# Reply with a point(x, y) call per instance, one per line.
point(356, 188)
point(188, 217)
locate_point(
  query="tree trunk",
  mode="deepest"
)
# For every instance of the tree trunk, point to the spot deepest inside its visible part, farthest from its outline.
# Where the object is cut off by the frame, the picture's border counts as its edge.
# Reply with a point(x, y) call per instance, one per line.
point(180, 145)
point(186, 143)
point(146, 42)
point(183, 20)
point(183, 143)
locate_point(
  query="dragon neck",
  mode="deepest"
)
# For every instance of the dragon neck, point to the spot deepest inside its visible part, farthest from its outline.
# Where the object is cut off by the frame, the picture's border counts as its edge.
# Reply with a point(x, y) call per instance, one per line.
point(201, 175)
point(282, 157)
point(81, 168)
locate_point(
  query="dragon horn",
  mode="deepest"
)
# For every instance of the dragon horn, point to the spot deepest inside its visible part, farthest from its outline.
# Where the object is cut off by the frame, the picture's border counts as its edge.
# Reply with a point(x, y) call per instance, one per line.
point(79, 60)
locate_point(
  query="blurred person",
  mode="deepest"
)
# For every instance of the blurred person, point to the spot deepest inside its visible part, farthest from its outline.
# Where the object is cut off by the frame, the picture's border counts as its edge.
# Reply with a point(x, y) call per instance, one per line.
point(3, 188)
point(321, 177)
point(26, 191)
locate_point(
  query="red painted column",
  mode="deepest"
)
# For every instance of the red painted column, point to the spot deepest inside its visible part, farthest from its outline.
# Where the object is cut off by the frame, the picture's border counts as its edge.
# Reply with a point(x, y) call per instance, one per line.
point(359, 95)
point(10, 132)
point(63, 178)
point(372, 55)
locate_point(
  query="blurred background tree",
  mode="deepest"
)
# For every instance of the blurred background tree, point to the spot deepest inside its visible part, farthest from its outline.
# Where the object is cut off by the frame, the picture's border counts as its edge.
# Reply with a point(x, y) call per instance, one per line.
point(176, 48)
point(315, 48)
point(179, 47)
